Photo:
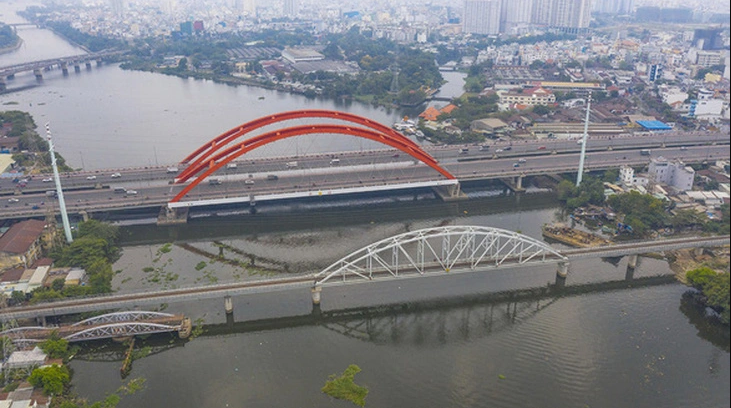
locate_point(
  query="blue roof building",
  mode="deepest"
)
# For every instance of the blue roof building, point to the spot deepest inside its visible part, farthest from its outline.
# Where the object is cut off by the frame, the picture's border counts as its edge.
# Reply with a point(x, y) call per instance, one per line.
point(654, 125)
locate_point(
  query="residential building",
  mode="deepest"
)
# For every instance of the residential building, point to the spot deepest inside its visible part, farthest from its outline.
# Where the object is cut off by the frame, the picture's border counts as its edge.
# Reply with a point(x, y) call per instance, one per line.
point(569, 14)
point(482, 16)
point(21, 245)
point(672, 173)
point(531, 97)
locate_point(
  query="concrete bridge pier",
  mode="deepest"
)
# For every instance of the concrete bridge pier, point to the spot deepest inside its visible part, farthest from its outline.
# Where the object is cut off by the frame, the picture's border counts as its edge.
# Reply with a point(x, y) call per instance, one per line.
point(519, 183)
point(38, 74)
point(698, 251)
point(228, 305)
point(99, 62)
point(450, 193)
point(562, 270)
point(65, 68)
point(11, 76)
point(632, 261)
point(3, 85)
point(77, 68)
point(88, 65)
point(316, 292)
point(629, 274)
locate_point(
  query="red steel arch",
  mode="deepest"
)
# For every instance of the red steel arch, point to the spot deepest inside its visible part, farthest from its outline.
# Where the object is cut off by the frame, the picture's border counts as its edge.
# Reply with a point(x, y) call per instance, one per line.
point(398, 140)
point(253, 143)
point(204, 152)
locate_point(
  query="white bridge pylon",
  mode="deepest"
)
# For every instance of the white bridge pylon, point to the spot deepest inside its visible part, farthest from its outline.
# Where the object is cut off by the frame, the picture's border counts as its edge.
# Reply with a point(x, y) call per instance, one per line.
point(440, 249)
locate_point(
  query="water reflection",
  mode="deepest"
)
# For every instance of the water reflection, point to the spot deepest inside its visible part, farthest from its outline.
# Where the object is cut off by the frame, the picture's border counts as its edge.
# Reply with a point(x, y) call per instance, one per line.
point(709, 329)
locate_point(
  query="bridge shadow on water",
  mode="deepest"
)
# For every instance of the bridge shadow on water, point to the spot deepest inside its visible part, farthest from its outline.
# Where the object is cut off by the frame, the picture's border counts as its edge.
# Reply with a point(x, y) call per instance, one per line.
point(297, 217)
point(434, 322)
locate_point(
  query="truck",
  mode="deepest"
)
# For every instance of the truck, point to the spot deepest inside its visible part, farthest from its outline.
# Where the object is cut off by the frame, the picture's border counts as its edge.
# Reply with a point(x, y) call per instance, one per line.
point(172, 169)
point(214, 182)
point(645, 152)
point(291, 165)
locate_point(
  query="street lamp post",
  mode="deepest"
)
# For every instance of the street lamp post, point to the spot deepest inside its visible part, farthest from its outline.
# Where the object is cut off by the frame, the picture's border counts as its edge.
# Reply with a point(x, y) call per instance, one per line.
point(59, 191)
point(580, 175)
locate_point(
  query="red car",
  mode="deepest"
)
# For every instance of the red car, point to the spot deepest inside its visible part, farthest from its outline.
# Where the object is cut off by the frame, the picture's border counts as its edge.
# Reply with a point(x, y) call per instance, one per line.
point(541, 147)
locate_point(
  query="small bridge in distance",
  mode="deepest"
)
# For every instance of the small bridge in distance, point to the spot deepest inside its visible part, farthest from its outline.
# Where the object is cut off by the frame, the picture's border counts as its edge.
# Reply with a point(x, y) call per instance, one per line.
point(110, 325)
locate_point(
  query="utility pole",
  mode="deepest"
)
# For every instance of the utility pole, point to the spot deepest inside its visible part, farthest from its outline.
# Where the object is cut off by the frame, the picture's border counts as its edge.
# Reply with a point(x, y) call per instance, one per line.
point(59, 191)
point(583, 141)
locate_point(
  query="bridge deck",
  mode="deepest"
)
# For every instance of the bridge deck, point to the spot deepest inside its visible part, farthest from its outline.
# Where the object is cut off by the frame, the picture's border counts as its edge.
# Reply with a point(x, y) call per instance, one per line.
point(38, 334)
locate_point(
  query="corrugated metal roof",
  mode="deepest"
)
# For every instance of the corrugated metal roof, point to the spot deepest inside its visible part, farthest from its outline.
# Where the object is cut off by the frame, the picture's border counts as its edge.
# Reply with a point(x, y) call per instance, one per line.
point(653, 125)
point(21, 236)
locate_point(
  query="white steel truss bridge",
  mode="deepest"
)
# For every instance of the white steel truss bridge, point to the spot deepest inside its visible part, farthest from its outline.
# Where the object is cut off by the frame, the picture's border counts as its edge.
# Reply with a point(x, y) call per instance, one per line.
point(128, 316)
point(110, 325)
point(440, 249)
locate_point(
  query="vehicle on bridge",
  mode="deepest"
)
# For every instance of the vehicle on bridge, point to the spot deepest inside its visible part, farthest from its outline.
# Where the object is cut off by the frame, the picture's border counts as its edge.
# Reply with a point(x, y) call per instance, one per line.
point(291, 165)
point(116, 175)
point(172, 170)
point(645, 152)
point(214, 182)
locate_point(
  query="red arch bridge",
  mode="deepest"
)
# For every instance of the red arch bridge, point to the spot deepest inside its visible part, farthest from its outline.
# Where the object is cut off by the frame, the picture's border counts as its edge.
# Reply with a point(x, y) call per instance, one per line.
point(222, 151)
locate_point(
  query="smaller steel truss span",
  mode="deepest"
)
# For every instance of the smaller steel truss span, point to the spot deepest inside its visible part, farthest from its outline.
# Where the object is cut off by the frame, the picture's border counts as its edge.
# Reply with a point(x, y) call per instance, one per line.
point(120, 330)
point(128, 316)
point(23, 329)
point(440, 249)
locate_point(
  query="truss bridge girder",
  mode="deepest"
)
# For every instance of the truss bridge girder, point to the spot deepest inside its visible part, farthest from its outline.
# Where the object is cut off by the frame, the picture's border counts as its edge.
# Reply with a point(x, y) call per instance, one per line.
point(441, 249)
point(127, 316)
point(114, 330)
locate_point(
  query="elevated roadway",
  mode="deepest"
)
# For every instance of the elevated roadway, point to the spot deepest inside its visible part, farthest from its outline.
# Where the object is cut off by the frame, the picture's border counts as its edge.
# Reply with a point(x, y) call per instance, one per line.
point(374, 170)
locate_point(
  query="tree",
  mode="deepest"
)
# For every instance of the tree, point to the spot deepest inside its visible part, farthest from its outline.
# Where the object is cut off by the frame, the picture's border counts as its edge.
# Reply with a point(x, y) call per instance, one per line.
point(57, 284)
point(55, 346)
point(52, 379)
point(541, 110)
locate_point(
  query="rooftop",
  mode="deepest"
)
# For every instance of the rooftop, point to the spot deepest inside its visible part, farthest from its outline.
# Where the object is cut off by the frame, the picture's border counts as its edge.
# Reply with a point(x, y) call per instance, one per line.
point(21, 236)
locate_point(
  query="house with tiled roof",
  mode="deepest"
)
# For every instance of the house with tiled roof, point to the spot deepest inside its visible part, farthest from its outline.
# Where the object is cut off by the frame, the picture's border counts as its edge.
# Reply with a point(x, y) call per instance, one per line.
point(430, 114)
point(21, 245)
point(531, 97)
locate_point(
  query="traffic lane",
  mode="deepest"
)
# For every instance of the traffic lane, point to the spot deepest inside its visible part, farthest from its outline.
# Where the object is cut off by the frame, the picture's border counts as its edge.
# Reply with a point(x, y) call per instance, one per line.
point(91, 199)
point(81, 179)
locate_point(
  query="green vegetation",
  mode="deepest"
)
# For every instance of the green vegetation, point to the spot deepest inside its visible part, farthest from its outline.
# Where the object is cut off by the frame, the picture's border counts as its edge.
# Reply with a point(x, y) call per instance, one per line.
point(93, 249)
point(714, 288)
point(8, 38)
point(52, 379)
point(55, 346)
point(642, 212)
point(35, 157)
point(591, 191)
point(68, 400)
point(344, 388)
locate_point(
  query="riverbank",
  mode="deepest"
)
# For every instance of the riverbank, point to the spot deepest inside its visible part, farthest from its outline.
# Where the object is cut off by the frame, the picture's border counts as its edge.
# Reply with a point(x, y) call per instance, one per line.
point(684, 260)
point(12, 48)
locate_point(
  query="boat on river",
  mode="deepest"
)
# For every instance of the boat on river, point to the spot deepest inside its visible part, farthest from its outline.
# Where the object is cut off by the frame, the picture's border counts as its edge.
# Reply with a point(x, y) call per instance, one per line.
point(573, 237)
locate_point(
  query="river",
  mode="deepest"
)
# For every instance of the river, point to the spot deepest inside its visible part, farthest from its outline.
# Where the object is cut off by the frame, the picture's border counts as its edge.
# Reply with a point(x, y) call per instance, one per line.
point(633, 344)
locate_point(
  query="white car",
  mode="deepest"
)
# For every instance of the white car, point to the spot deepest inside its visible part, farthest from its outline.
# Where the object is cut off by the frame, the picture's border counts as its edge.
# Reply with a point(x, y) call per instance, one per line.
point(499, 151)
point(91, 177)
point(48, 180)
point(116, 175)
point(13, 200)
